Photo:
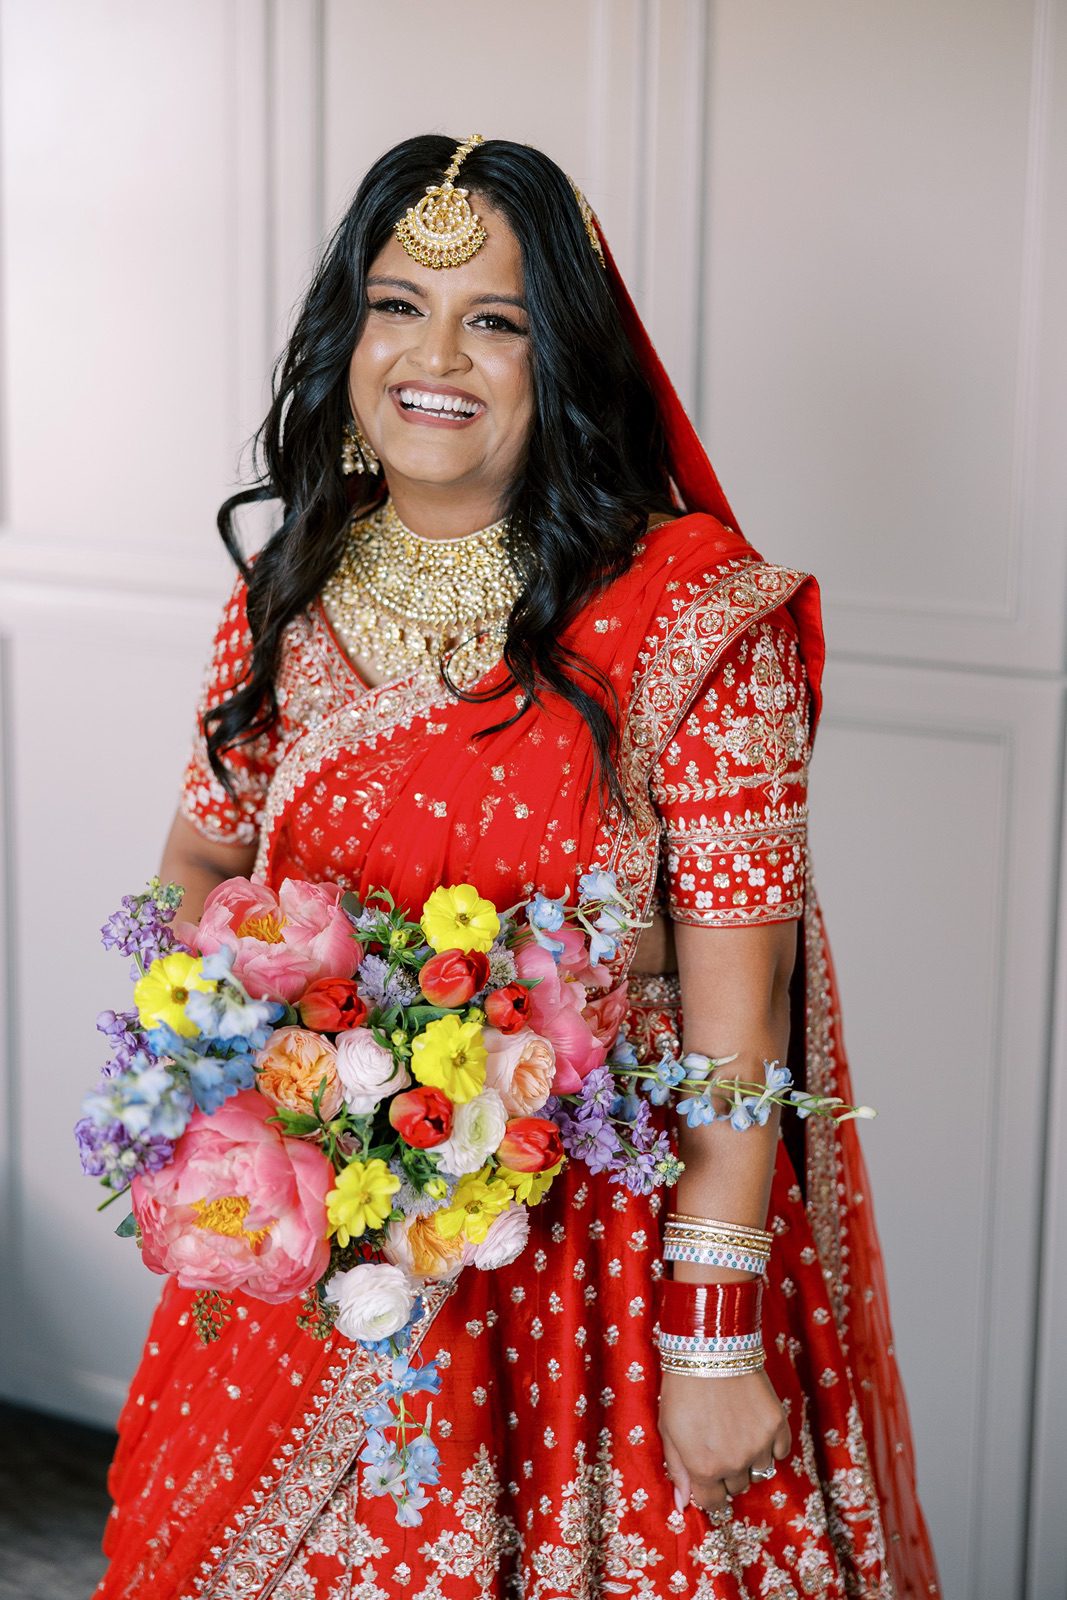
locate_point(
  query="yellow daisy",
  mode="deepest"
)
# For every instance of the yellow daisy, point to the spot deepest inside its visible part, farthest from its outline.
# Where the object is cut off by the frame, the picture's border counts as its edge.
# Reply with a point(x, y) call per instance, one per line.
point(449, 1055)
point(361, 1198)
point(529, 1187)
point(478, 1199)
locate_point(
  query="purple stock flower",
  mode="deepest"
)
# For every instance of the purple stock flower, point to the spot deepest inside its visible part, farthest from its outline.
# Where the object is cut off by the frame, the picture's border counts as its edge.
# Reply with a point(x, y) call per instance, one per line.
point(107, 1151)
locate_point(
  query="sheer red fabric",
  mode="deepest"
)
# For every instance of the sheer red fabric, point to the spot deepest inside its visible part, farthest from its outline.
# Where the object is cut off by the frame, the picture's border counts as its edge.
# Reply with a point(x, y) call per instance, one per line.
point(236, 1470)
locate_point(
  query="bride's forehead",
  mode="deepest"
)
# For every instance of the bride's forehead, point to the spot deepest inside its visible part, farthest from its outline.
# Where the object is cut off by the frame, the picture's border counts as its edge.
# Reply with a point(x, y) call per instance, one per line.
point(494, 269)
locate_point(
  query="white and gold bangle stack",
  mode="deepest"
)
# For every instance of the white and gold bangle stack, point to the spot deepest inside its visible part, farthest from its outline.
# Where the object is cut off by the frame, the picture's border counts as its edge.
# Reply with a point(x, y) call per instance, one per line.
point(707, 1243)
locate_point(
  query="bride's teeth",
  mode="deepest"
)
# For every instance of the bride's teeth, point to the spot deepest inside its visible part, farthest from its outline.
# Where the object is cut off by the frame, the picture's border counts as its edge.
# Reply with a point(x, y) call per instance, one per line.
point(424, 400)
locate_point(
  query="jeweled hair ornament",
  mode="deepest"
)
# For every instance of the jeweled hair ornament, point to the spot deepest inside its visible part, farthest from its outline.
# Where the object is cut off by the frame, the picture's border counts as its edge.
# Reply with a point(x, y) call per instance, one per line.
point(588, 221)
point(442, 230)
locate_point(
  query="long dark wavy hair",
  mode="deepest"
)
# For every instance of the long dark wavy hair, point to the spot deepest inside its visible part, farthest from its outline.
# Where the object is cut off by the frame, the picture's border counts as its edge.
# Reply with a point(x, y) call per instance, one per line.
point(595, 465)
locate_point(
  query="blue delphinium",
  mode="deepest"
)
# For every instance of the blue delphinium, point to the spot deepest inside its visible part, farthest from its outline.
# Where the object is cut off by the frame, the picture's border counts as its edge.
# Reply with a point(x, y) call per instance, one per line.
point(544, 917)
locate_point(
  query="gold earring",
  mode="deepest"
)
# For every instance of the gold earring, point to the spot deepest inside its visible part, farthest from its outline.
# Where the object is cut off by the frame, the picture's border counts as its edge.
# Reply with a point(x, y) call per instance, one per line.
point(357, 455)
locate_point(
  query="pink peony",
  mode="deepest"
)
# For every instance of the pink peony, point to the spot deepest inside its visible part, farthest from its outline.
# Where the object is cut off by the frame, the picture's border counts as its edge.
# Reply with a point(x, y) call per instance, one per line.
point(282, 942)
point(520, 1067)
point(605, 1013)
point(574, 965)
point(239, 1207)
point(556, 1014)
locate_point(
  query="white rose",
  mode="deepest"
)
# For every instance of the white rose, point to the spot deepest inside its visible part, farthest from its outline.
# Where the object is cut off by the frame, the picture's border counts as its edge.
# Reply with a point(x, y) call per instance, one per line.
point(373, 1300)
point(477, 1128)
point(368, 1072)
point(505, 1240)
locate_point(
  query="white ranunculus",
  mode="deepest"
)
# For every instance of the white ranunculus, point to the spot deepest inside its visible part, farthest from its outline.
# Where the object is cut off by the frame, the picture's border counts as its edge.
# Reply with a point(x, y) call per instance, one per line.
point(477, 1128)
point(373, 1300)
point(368, 1072)
point(505, 1240)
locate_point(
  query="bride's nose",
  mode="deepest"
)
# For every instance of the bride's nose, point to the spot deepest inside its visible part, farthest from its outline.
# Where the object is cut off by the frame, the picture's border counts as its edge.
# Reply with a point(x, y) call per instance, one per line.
point(440, 348)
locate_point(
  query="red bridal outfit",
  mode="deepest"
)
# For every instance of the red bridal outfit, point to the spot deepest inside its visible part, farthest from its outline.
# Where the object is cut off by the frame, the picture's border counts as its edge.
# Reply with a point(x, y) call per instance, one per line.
point(236, 1474)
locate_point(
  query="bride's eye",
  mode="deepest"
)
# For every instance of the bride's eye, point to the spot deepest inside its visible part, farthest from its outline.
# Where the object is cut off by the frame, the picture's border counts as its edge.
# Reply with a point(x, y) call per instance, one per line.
point(397, 307)
point(497, 323)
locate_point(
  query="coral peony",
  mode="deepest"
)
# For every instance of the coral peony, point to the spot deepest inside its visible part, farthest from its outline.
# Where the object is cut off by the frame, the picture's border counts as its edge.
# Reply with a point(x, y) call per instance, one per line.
point(292, 1066)
point(239, 1207)
point(282, 942)
point(422, 1117)
point(520, 1067)
point(556, 1014)
point(332, 1005)
point(530, 1144)
point(454, 977)
point(605, 1013)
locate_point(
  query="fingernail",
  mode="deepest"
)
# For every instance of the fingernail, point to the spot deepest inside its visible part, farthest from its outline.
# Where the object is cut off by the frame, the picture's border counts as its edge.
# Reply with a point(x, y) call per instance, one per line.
point(679, 1498)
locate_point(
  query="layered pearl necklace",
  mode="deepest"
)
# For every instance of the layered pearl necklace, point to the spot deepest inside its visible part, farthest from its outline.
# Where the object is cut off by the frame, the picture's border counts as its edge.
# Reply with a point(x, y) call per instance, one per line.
point(402, 602)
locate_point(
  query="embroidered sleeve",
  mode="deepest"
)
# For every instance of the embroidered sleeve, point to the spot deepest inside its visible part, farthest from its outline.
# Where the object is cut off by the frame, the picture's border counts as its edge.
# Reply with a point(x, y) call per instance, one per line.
point(731, 787)
point(203, 801)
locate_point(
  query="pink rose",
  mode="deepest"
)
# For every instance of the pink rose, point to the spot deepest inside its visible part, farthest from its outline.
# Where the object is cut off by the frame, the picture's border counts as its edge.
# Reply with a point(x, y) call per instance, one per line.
point(606, 1014)
point(282, 942)
point(239, 1207)
point(520, 1068)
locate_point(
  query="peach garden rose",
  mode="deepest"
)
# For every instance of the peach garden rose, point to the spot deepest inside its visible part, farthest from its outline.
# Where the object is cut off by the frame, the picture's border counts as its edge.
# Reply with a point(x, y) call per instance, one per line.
point(292, 1065)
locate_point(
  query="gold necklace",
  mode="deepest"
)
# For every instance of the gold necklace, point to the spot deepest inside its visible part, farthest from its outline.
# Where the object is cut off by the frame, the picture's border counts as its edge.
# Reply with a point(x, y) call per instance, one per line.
point(402, 602)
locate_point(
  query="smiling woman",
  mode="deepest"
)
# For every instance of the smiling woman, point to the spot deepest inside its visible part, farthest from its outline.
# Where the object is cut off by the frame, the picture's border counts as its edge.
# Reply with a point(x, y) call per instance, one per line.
point(507, 633)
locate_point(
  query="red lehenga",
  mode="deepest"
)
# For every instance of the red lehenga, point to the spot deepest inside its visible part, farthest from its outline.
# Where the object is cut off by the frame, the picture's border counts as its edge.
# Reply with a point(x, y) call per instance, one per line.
point(236, 1475)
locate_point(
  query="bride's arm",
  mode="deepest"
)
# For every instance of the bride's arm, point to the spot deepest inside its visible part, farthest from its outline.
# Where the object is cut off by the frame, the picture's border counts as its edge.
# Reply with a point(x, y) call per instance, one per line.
point(735, 999)
point(199, 864)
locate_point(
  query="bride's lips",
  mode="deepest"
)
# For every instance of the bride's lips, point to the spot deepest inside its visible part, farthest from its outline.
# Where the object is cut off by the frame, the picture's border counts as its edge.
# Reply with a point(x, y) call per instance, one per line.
point(446, 417)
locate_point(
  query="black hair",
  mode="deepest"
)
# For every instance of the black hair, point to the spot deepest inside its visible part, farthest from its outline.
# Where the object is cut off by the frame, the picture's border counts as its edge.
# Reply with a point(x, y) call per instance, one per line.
point(595, 465)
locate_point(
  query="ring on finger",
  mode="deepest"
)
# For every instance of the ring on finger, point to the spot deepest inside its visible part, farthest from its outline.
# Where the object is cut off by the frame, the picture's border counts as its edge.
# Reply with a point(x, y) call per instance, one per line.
point(761, 1474)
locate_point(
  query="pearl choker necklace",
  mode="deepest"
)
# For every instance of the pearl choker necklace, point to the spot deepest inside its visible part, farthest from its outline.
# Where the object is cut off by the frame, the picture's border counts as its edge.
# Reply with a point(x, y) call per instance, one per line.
point(402, 602)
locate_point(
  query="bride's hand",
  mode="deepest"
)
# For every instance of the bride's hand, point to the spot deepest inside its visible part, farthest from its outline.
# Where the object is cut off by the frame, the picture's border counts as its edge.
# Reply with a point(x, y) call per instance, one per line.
point(720, 1435)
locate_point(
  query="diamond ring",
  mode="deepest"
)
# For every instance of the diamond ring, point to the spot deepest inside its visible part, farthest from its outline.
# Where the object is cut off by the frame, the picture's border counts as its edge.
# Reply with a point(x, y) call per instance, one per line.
point(761, 1474)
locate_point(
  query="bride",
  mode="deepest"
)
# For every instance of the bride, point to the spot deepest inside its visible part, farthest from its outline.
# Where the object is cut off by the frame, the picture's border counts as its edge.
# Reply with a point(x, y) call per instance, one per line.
point(508, 632)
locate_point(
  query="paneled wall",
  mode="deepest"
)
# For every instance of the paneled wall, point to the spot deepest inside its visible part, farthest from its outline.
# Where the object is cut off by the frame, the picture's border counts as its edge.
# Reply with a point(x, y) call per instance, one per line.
point(845, 227)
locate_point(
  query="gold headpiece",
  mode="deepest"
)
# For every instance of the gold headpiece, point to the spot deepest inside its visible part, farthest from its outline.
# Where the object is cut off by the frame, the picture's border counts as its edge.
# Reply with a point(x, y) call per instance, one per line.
point(442, 230)
point(589, 220)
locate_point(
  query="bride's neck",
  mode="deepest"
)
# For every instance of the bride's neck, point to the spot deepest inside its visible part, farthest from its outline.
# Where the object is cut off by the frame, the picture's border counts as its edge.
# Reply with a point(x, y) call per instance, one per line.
point(438, 513)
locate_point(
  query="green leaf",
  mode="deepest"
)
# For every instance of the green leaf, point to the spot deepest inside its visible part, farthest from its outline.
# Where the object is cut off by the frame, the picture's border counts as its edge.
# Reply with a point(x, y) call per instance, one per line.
point(127, 1228)
point(351, 903)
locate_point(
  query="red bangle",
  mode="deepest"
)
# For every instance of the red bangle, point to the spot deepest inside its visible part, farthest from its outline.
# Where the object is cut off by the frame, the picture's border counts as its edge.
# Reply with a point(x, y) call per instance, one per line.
point(709, 1310)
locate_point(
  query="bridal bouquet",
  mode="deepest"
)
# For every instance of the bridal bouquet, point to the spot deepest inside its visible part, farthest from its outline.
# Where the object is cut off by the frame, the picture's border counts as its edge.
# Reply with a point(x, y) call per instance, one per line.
point(318, 1096)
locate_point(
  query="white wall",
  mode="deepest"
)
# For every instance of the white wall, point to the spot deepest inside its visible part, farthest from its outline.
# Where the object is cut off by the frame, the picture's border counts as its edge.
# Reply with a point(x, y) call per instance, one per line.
point(845, 227)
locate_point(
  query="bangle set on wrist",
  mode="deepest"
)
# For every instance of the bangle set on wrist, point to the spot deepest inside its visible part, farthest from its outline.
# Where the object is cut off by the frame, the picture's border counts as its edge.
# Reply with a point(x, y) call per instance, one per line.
point(712, 1330)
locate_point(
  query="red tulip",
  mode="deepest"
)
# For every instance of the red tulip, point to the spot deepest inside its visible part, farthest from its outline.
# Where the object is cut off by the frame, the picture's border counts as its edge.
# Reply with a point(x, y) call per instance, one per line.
point(530, 1144)
point(331, 1005)
point(422, 1117)
point(451, 978)
point(508, 1009)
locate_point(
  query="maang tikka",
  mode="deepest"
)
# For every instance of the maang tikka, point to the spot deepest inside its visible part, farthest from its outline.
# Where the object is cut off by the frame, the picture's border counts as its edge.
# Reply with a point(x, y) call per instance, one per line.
point(442, 230)
point(357, 453)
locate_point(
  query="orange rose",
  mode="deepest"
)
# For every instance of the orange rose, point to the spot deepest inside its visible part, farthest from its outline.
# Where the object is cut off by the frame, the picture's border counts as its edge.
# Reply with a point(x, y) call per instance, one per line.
point(292, 1065)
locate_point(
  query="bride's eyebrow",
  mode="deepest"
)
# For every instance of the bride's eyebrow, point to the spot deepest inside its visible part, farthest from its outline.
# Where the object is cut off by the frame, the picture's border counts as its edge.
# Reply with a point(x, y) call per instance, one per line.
point(500, 300)
point(396, 283)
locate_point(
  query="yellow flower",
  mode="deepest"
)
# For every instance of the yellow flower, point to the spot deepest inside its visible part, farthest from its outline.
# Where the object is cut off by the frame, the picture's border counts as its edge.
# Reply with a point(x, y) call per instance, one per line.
point(459, 919)
point(161, 994)
point(477, 1200)
point(529, 1187)
point(449, 1055)
point(362, 1198)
